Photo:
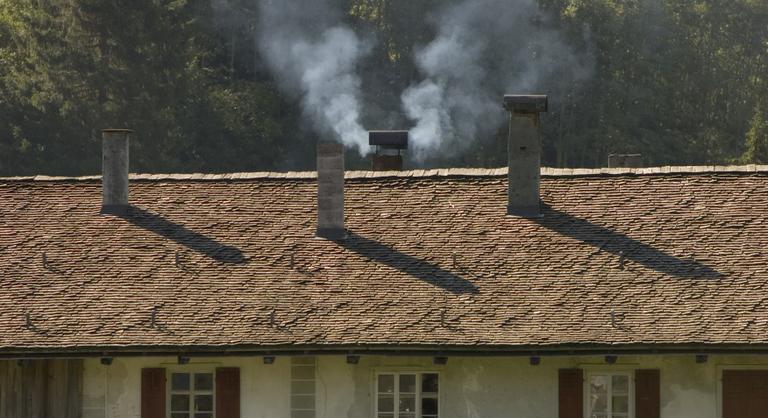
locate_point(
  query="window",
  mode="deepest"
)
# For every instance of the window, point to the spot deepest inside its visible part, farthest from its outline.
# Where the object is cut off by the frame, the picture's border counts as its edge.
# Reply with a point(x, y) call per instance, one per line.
point(407, 395)
point(608, 395)
point(191, 395)
point(302, 387)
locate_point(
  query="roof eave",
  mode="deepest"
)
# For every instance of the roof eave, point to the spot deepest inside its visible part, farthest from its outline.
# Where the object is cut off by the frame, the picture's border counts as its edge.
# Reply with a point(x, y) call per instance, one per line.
point(387, 350)
point(440, 172)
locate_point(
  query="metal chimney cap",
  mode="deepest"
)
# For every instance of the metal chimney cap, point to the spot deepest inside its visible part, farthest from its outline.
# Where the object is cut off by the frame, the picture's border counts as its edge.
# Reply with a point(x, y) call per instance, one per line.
point(389, 139)
point(526, 103)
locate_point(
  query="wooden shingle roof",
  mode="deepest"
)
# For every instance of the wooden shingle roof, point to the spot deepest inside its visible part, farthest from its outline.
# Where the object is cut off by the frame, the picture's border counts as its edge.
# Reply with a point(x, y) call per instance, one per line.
point(656, 257)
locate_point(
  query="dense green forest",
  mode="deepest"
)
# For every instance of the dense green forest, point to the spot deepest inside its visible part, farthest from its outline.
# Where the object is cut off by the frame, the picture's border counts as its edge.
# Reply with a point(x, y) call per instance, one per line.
point(680, 81)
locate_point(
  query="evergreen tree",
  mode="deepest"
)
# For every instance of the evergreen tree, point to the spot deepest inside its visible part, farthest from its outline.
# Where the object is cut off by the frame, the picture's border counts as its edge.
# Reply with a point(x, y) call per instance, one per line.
point(681, 82)
point(757, 138)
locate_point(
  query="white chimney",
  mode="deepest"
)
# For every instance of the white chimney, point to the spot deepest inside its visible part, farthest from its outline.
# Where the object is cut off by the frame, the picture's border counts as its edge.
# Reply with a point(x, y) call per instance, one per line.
point(524, 150)
point(330, 191)
point(114, 168)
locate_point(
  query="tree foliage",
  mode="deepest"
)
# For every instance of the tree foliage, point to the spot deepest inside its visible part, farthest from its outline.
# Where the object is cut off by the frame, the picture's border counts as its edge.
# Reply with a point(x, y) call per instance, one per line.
point(757, 138)
point(680, 81)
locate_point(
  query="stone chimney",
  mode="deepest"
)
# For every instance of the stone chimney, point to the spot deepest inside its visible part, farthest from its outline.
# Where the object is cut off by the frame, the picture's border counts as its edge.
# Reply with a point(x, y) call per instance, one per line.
point(625, 161)
point(389, 146)
point(524, 151)
point(114, 169)
point(330, 191)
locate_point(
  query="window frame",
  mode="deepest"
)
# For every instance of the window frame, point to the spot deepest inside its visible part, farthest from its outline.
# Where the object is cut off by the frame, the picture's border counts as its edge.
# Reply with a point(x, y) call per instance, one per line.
point(419, 392)
point(191, 372)
point(303, 362)
point(629, 373)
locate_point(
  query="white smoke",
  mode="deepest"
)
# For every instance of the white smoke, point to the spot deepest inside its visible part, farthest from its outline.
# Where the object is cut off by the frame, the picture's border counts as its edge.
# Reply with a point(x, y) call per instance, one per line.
point(315, 57)
point(483, 49)
point(424, 103)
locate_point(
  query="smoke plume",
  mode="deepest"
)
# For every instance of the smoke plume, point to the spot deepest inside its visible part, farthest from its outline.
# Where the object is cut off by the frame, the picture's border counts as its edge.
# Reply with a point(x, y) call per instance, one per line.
point(483, 49)
point(315, 57)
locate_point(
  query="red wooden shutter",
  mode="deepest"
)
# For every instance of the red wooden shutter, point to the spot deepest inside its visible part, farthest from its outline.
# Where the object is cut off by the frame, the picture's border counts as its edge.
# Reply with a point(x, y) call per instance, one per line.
point(647, 394)
point(571, 393)
point(745, 393)
point(153, 393)
point(228, 392)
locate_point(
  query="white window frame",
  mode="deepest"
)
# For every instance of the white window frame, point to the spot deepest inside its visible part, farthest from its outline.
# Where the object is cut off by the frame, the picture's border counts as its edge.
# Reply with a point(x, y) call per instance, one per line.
point(610, 372)
point(192, 392)
point(397, 373)
point(309, 362)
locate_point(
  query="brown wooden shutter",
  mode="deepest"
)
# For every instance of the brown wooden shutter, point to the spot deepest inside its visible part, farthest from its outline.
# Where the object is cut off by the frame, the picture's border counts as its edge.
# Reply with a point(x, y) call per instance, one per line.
point(228, 392)
point(153, 393)
point(647, 394)
point(745, 393)
point(571, 393)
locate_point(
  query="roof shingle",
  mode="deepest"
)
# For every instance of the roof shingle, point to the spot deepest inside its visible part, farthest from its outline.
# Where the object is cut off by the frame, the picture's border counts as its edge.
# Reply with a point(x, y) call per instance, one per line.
point(624, 257)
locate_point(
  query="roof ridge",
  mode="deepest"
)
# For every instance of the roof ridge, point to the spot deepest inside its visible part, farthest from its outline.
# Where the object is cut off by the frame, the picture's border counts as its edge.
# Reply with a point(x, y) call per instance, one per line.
point(440, 172)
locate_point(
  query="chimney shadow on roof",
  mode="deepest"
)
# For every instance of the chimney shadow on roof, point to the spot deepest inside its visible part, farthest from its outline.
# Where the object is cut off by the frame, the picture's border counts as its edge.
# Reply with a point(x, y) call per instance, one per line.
point(623, 246)
point(408, 264)
point(178, 233)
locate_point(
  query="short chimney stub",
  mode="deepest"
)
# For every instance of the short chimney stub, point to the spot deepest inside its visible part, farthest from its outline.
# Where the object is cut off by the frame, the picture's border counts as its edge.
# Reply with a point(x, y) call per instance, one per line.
point(389, 146)
point(625, 161)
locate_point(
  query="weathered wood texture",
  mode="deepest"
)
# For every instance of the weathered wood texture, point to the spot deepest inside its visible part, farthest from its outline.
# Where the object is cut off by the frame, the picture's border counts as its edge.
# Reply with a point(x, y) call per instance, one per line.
point(153, 393)
point(228, 392)
point(41, 389)
point(570, 393)
point(647, 393)
point(745, 393)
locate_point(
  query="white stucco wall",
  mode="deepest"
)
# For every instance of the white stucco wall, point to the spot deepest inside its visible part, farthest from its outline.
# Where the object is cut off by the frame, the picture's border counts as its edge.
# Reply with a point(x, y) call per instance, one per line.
point(470, 387)
point(114, 391)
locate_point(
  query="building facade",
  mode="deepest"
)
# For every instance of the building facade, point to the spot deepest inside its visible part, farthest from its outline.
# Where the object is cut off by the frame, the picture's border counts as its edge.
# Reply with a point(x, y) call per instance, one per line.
point(626, 293)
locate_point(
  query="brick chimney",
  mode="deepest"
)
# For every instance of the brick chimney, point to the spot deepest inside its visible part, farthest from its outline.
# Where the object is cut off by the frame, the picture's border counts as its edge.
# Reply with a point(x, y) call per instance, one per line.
point(524, 151)
point(330, 191)
point(389, 146)
point(114, 169)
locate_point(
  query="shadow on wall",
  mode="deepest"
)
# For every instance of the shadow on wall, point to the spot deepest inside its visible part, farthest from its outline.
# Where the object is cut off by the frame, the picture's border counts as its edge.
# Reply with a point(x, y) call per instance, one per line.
point(623, 246)
point(408, 264)
point(181, 235)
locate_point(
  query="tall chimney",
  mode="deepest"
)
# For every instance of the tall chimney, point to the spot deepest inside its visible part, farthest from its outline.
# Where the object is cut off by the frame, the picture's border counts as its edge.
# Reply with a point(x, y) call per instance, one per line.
point(114, 168)
point(330, 191)
point(389, 145)
point(524, 151)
